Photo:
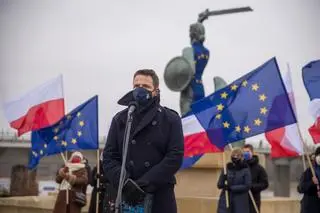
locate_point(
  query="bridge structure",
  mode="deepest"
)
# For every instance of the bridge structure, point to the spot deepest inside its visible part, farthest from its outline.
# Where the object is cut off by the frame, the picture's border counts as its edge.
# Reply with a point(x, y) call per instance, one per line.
point(15, 150)
point(11, 140)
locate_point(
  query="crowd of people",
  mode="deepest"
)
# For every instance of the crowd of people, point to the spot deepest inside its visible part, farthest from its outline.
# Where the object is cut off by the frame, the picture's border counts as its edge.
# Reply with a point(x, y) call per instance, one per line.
point(156, 150)
point(243, 174)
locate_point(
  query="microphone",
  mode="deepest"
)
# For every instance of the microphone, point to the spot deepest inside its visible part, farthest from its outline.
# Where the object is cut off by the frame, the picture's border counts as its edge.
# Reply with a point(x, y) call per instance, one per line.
point(132, 107)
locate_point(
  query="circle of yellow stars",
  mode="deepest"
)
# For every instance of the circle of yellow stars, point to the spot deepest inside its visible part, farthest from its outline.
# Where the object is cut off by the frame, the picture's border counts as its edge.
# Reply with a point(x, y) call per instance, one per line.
point(64, 143)
point(256, 122)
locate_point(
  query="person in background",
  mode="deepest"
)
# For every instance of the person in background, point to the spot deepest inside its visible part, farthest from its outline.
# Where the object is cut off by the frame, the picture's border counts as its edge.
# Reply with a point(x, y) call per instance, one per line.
point(309, 187)
point(88, 168)
point(107, 194)
point(259, 176)
point(237, 182)
point(103, 183)
point(74, 178)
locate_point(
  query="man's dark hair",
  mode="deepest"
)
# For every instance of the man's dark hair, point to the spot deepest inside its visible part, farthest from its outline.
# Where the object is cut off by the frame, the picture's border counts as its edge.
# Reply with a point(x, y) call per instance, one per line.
point(248, 146)
point(151, 73)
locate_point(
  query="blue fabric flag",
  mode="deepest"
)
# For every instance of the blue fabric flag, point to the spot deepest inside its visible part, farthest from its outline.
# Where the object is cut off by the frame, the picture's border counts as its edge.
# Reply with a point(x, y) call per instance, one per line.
point(251, 105)
point(76, 131)
point(190, 161)
point(311, 79)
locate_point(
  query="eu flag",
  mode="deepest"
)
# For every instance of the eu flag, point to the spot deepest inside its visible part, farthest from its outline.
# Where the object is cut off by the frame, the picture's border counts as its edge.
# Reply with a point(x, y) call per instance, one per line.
point(77, 130)
point(251, 105)
point(311, 79)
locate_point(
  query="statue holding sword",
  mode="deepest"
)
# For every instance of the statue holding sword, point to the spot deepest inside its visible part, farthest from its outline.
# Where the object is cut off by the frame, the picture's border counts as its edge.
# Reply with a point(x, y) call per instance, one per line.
point(184, 73)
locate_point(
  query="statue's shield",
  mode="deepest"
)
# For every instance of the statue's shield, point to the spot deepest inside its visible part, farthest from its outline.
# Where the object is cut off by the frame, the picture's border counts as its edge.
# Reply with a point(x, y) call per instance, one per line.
point(178, 74)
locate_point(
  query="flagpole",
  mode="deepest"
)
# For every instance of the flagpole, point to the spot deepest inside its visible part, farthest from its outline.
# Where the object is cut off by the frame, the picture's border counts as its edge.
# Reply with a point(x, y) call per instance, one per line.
point(304, 161)
point(67, 191)
point(98, 181)
point(98, 164)
point(63, 158)
point(225, 181)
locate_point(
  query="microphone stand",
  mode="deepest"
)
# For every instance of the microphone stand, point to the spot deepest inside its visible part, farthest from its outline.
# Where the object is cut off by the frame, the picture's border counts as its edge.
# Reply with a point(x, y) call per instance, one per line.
point(118, 208)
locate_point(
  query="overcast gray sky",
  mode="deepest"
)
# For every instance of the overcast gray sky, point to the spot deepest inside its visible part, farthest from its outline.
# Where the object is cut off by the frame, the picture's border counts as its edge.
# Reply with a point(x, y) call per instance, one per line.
point(98, 45)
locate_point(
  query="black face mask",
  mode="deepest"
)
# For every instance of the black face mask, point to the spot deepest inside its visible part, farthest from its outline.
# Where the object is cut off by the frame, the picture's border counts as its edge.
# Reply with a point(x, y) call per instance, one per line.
point(235, 160)
point(142, 95)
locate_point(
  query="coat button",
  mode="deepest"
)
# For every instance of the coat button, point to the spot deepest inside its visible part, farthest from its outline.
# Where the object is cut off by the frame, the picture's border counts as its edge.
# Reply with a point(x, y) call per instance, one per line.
point(131, 163)
point(133, 142)
point(154, 123)
point(146, 164)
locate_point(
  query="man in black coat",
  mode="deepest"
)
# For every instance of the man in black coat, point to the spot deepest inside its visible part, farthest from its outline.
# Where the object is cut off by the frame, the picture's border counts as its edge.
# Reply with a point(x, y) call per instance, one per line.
point(258, 174)
point(156, 145)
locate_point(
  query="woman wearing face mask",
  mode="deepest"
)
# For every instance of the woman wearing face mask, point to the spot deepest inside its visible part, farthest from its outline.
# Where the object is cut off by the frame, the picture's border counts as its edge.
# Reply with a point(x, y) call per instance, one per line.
point(309, 187)
point(73, 176)
point(259, 176)
point(237, 182)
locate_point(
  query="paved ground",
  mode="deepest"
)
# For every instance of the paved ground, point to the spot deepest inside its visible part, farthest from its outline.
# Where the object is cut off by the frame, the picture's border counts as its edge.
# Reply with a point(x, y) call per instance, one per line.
point(48, 186)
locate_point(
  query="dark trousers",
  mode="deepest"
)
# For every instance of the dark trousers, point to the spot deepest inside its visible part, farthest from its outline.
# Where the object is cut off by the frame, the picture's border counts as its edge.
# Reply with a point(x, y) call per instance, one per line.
point(164, 201)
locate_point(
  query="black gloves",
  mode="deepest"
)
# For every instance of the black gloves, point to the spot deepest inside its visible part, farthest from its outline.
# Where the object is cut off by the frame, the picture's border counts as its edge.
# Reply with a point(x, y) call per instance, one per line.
point(98, 175)
point(132, 193)
point(225, 177)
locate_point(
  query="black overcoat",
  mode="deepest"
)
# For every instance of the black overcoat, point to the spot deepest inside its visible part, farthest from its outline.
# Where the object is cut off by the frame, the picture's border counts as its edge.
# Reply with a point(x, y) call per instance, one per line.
point(155, 154)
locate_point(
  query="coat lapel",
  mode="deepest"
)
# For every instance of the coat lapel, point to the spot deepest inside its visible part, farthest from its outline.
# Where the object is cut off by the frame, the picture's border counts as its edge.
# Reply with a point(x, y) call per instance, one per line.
point(149, 116)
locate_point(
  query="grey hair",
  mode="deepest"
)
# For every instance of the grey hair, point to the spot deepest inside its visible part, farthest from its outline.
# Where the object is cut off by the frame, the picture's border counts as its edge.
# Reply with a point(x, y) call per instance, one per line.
point(197, 32)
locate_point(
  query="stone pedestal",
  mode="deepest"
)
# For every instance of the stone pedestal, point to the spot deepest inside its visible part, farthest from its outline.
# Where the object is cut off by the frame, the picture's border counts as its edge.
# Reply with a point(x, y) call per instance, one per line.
point(197, 182)
point(23, 182)
point(282, 172)
point(19, 181)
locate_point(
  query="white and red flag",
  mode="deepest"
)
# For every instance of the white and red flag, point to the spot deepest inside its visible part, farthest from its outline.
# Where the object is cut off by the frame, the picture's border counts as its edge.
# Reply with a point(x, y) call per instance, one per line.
point(286, 141)
point(39, 108)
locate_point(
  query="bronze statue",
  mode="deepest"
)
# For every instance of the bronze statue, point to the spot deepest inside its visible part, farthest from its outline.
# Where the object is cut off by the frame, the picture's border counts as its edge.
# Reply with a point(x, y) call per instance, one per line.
point(184, 73)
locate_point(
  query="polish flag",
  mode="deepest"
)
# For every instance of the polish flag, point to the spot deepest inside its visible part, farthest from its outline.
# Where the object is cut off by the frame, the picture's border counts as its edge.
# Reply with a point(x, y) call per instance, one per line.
point(39, 108)
point(311, 80)
point(314, 131)
point(196, 141)
point(286, 141)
